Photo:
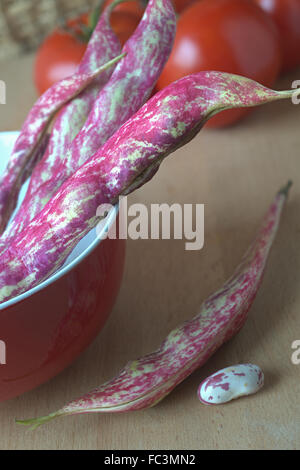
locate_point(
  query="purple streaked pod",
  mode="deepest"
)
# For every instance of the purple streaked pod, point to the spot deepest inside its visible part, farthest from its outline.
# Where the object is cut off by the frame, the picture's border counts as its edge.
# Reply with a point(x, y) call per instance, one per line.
point(127, 90)
point(32, 132)
point(127, 160)
point(132, 81)
point(231, 383)
point(146, 381)
point(102, 47)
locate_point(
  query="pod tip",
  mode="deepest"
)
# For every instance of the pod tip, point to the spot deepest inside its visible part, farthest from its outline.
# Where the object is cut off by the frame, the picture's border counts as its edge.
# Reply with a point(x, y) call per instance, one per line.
point(285, 189)
point(36, 422)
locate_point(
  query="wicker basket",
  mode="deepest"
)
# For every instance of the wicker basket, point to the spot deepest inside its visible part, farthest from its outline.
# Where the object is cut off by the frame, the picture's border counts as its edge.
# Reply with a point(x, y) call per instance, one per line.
point(24, 23)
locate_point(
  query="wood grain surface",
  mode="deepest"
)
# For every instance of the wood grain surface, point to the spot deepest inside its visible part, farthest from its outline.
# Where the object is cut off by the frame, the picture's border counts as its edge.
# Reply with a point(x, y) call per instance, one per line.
point(235, 173)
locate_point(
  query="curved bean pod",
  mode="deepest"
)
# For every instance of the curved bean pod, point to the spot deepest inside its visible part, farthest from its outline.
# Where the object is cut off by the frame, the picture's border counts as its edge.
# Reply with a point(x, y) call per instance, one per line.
point(102, 48)
point(127, 90)
point(32, 132)
point(145, 382)
point(127, 160)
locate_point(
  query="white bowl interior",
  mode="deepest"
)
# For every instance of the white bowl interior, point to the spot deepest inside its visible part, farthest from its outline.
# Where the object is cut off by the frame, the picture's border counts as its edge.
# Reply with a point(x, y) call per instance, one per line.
point(82, 249)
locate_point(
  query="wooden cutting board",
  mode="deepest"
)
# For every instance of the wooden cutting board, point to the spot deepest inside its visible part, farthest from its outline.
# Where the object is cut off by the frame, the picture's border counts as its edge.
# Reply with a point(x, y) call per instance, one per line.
point(235, 173)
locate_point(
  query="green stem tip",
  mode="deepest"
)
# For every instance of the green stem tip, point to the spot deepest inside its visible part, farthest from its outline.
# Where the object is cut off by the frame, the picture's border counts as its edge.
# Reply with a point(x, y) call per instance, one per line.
point(285, 189)
point(36, 422)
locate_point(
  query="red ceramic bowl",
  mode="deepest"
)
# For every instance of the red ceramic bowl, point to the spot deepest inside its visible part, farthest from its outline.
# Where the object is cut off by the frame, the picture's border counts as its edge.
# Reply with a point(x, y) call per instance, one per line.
point(47, 327)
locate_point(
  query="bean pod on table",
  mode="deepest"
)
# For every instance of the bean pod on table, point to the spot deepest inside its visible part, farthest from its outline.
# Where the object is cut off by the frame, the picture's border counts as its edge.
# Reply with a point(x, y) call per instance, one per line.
point(145, 382)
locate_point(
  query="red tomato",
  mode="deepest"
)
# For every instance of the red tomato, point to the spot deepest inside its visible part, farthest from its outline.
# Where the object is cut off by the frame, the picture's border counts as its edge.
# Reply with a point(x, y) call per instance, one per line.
point(233, 36)
point(57, 57)
point(180, 5)
point(286, 15)
point(124, 23)
point(136, 8)
point(61, 52)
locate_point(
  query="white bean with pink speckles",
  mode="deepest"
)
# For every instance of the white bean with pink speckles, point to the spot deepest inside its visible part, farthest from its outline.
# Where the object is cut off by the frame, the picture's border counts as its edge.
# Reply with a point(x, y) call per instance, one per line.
point(230, 383)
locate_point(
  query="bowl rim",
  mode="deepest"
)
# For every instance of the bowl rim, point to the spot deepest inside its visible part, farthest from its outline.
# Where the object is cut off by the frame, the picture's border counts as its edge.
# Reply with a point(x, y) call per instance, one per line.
point(101, 236)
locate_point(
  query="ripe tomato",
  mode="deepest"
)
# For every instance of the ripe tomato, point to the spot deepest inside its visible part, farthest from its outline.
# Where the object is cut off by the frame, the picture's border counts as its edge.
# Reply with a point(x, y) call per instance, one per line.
point(56, 58)
point(136, 8)
point(180, 5)
point(124, 23)
point(286, 15)
point(61, 52)
point(233, 36)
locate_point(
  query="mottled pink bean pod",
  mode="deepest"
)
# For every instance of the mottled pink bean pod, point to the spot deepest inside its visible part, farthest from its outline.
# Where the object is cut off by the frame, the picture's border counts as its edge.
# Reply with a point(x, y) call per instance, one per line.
point(231, 383)
point(145, 382)
point(127, 160)
point(33, 130)
point(132, 81)
point(127, 90)
point(102, 48)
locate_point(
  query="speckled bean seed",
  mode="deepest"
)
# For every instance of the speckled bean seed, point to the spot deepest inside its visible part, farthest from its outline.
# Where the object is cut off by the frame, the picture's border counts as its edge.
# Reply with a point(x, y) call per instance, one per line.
point(230, 383)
